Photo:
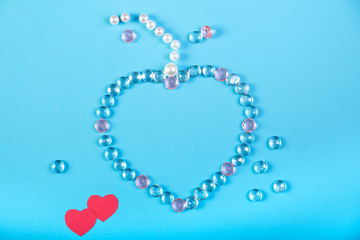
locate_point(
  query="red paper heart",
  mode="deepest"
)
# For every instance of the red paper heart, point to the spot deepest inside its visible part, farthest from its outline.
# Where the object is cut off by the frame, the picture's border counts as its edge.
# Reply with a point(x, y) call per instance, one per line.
point(80, 222)
point(103, 207)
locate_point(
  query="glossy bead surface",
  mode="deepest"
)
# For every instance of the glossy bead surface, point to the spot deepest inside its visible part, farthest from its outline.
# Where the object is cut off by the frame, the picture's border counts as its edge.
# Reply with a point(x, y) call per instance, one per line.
point(255, 195)
point(274, 142)
point(125, 17)
point(251, 112)
point(195, 37)
point(167, 38)
point(191, 202)
point(113, 89)
point(228, 169)
point(101, 125)
point(183, 75)
point(128, 36)
point(111, 153)
point(218, 178)
point(232, 80)
point(237, 160)
point(175, 44)
point(135, 77)
point(174, 56)
point(107, 101)
point(114, 20)
point(142, 181)
point(150, 25)
point(105, 140)
point(159, 76)
point(159, 31)
point(147, 75)
point(279, 186)
point(246, 137)
point(119, 165)
point(260, 167)
point(200, 194)
point(248, 125)
point(58, 166)
point(156, 190)
point(167, 198)
point(123, 82)
point(102, 112)
point(221, 74)
point(208, 185)
point(246, 100)
point(143, 18)
point(128, 174)
point(206, 32)
point(243, 149)
point(194, 71)
point(170, 69)
point(208, 71)
point(178, 205)
point(242, 88)
point(171, 83)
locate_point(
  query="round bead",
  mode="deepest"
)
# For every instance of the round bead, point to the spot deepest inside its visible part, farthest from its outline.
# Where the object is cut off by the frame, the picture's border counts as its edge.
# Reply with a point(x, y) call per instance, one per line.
point(148, 75)
point(208, 71)
point(200, 194)
point(159, 31)
point(102, 112)
point(237, 160)
point(208, 185)
point(105, 140)
point(221, 74)
point(279, 186)
point(178, 205)
point(143, 18)
point(123, 82)
point(128, 174)
point(260, 167)
point(58, 166)
point(167, 38)
point(194, 71)
point(101, 125)
point(175, 44)
point(251, 112)
point(195, 37)
point(135, 77)
point(150, 25)
point(113, 89)
point(171, 83)
point(156, 190)
point(274, 142)
point(128, 36)
point(243, 149)
point(174, 56)
point(218, 178)
point(111, 153)
point(228, 169)
point(119, 165)
point(114, 20)
point(191, 202)
point(206, 32)
point(242, 88)
point(107, 101)
point(232, 80)
point(246, 100)
point(125, 17)
point(142, 181)
point(183, 75)
point(167, 198)
point(248, 125)
point(170, 69)
point(159, 76)
point(255, 195)
point(246, 137)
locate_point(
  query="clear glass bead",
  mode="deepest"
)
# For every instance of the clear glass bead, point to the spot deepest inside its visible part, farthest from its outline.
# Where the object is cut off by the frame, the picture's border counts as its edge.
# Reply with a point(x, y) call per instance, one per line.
point(111, 153)
point(246, 137)
point(123, 82)
point(200, 194)
point(119, 165)
point(171, 83)
point(251, 112)
point(102, 112)
point(178, 205)
point(255, 195)
point(206, 31)
point(191, 202)
point(232, 80)
point(228, 169)
point(156, 190)
point(107, 101)
point(183, 75)
point(135, 77)
point(148, 75)
point(248, 125)
point(167, 198)
point(260, 167)
point(113, 89)
point(242, 88)
point(159, 76)
point(142, 181)
point(208, 71)
point(243, 149)
point(274, 142)
point(208, 185)
point(237, 160)
point(218, 178)
point(105, 140)
point(195, 37)
point(128, 36)
point(221, 74)
point(194, 71)
point(101, 125)
point(128, 174)
point(58, 166)
point(246, 100)
point(279, 186)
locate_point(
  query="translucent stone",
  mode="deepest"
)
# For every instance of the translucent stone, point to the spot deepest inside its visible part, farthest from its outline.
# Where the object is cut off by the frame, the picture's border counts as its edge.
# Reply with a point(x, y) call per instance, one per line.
point(206, 32)
point(123, 82)
point(178, 205)
point(142, 181)
point(200, 194)
point(255, 195)
point(208, 71)
point(218, 178)
point(237, 160)
point(194, 71)
point(107, 101)
point(156, 190)
point(167, 198)
point(128, 174)
point(228, 169)
point(274, 142)
point(260, 167)
point(183, 75)
point(128, 36)
point(58, 166)
point(101, 125)
point(102, 112)
point(159, 76)
point(171, 83)
point(119, 165)
point(232, 80)
point(248, 125)
point(191, 202)
point(135, 77)
point(246, 137)
point(148, 75)
point(221, 74)
point(246, 100)
point(243, 149)
point(111, 153)
point(279, 186)
point(251, 112)
point(105, 140)
point(195, 37)
point(113, 89)
point(242, 88)
point(208, 185)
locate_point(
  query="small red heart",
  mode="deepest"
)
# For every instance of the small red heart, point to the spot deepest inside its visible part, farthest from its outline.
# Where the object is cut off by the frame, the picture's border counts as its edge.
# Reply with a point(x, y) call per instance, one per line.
point(104, 207)
point(80, 222)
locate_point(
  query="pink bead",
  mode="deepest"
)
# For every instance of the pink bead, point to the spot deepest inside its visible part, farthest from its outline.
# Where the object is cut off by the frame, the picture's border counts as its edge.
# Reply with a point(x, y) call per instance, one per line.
point(249, 125)
point(228, 169)
point(128, 36)
point(171, 83)
point(101, 125)
point(178, 205)
point(221, 74)
point(206, 32)
point(142, 181)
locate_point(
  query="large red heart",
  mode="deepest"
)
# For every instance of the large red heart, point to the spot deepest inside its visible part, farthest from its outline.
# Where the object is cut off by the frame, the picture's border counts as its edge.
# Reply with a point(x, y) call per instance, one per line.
point(80, 222)
point(104, 207)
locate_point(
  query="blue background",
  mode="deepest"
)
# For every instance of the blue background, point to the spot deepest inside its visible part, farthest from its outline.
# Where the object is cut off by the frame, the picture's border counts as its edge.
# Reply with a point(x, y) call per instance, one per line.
point(300, 58)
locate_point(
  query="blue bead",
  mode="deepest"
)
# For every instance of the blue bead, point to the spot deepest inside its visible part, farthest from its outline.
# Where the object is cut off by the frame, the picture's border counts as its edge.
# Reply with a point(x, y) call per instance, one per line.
point(123, 82)
point(274, 143)
point(200, 194)
point(167, 198)
point(218, 178)
point(159, 76)
point(242, 88)
point(194, 71)
point(113, 89)
point(251, 112)
point(183, 75)
point(191, 202)
point(279, 186)
point(208, 185)
point(111, 153)
point(195, 37)
point(255, 195)
point(119, 165)
point(105, 140)
point(128, 174)
point(260, 167)
point(135, 77)
point(246, 137)
point(208, 71)
point(233, 80)
point(58, 166)
point(102, 112)
point(156, 190)
point(148, 75)
point(107, 101)
point(246, 100)
point(243, 149)
point(237, 160)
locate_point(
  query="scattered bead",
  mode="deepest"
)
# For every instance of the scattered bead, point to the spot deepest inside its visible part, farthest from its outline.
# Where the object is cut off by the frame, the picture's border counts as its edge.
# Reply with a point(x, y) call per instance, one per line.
point(159, 76)
point(237, 160)
point(208, 71)
point(102, 112)
point(228, 169)
point(242, 88)
point(159, 31)
point(274, 143)
point(200, 194)
point(135, 77)
point(279, 186)
point(175, 44)
point(101, 125)
point(195, 37)
point(105, 140)
point(114, 20)
point(107, 101)
point(248, 125)
point(150, 25)
point(111, 153)
point(206, 32)
point(143, 18)
point(58, 166)
point(174, 56)
point(128, 174)
point(171, 83)
point(170, 69)
point(119, 165)
point(191, 202)
point(243, 149)
point(194, 71)
point(218, 178)
point(183, 75)
point(178, 205)
point(260, 167)
point(167, 38)
point(156, 190)
point(208, 185)
point(246, 100)
point(255, 195)
point(128, 36)
point(123, 82)
point(232, 80)
point(113, 89)
point(125, 17)
point(167, 198)
point(251, 112)
point(142, 181)
point(221, 74)
point(246, 137)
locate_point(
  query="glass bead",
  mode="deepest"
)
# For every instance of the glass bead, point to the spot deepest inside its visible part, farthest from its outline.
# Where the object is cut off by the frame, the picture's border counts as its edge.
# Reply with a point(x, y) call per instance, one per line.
point(274, 142)
point(221, 74)
point(251, 112)
point(135, 77)
point(194, 71)
point(208, 185)
point(159, 76)
point(111, 153)
point(178, 205)
point(171, 83)
point(243, 149)
point(242, 88)
point(260, 167)
point(200, 194)
point(195, 37)
point(156, 190)
point(119, 165)
point(208, 71)
point(167, 198)
point(128, 36)
point(237, 160)
point(101, 125)
point(123, 82)
point(191, 202)
point(105, 140)
point(255, 195)
point(246, 137)
point(183, 75)
point(128, 174)
point(107, 101)
point(142, 181)
point(248, 125)
point(102, 112)
point(148, 75)
point(232, 80)
point(246, 100)
point(113, 89)
point(206, 32)
point(279, 186)
point(58, 166)
point(228, 169)
point(218, 178)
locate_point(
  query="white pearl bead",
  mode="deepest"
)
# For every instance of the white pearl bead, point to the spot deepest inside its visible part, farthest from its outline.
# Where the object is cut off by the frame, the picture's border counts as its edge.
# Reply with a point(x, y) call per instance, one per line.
point(159, 31)
point(143, 18)
point(125, 17)
point(170, 69)
point(174, 56)
point(151, 25)
point(167, 37)
point(175, 44)
point(114, 20)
